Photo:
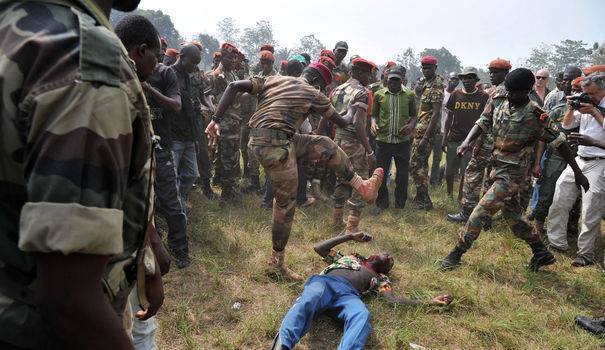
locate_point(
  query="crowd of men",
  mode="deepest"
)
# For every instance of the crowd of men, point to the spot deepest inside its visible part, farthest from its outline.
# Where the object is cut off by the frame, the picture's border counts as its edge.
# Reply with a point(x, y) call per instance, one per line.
point(103, 131)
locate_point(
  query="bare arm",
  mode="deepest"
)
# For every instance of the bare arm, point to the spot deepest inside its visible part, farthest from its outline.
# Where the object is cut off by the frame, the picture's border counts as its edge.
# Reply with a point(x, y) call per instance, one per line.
point(73, 305)
point(539, 152)
point(449, 120)
point(172, 103)
point(323, 248)
point(441, 300)
point(229, 96)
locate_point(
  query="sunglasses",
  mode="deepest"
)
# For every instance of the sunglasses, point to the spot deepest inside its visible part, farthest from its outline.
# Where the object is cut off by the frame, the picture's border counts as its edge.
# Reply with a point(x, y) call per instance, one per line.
point(541, 78)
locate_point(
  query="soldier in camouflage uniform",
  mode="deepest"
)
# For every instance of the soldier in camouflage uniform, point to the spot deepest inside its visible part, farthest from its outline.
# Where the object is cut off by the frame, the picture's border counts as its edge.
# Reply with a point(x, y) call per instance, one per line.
point(482, 151)
point(353, 140)
point(341, 73)
point(227, 163)
point(251, 166)
point(76, 184)
point(516, 124)
point(430, 100)
point(284, 103)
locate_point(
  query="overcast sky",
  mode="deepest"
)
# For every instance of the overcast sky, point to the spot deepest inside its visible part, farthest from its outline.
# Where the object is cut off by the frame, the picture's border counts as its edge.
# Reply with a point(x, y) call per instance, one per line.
point(476, 31)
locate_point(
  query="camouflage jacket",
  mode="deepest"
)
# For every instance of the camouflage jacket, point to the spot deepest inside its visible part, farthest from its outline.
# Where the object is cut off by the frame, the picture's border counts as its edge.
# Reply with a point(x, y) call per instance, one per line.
point(345, 96)
point(75, 154)
point(516, 131)
point(218, 80)
point(430, 92)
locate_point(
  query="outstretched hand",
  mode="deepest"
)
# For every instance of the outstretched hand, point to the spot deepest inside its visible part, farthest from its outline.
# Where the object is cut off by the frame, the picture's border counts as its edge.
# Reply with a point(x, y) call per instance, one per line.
point(442, 300)
point(213, 130)
point(461, 150)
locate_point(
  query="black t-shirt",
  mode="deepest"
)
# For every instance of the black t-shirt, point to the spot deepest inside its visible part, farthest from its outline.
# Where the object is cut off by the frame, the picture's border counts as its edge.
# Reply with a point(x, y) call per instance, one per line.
point(164, 80)
point(466, 109)
point(183, 125)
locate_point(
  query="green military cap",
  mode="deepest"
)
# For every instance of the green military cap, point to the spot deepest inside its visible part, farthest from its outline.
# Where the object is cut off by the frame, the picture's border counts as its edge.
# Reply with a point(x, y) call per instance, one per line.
point(469, 71)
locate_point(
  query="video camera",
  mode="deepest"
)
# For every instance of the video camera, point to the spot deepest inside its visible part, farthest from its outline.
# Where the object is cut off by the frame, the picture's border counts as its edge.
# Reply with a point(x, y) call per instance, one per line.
point(577, 99)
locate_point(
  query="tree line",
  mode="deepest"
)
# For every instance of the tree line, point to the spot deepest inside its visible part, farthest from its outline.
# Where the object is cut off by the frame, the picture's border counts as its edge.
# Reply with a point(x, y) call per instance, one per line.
point(555, 56)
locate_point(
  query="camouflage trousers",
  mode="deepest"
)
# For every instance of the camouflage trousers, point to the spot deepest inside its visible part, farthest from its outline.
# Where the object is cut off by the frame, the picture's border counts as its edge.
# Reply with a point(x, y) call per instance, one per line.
point(227, 160)
point(343, 192)
point(502, 195)
point(278, 156)
point(419, 167)
point(474, 174)
point(251, 165)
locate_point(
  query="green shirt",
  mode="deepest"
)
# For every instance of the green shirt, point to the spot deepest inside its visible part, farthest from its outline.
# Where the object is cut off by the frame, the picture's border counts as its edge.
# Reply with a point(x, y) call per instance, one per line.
point(391, 112)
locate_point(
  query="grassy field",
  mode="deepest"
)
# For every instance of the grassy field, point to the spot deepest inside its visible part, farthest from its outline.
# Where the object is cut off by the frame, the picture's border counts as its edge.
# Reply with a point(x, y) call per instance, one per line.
point(498, 303)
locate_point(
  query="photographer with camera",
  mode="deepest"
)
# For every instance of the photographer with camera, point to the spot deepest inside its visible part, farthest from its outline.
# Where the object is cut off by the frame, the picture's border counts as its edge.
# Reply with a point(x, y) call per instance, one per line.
point(586, 111)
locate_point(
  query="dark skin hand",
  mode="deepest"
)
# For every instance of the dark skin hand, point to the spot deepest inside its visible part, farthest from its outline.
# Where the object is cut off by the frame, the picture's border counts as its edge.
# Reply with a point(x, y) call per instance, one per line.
point(364, 275)
point(72, 303)
point(585, 140)
point(154, 291)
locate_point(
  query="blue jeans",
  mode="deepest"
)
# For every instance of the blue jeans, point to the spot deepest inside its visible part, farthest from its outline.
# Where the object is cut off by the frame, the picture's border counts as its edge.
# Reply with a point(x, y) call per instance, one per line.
point(186, 165)
point(331, 294)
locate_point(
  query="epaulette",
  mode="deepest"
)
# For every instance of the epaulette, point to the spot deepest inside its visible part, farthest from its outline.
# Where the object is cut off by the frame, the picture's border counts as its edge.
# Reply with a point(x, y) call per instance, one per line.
point(540, 114)
point(499, 92)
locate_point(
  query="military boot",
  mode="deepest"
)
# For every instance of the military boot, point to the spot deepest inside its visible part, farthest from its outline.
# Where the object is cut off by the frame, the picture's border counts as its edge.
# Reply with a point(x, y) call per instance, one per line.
point(539, 230)
point(316, 191)
point(277, 263)
point(541, 257)
point(254, 185)
point(423, 201)
point(207, 190)
point(368, 189)
point(452, 259)
point(460, 217)
point(337, 218)
point(352, 225)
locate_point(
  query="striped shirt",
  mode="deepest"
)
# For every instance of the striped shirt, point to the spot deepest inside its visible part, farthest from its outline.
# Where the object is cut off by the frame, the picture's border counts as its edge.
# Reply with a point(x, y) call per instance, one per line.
point(392, 112)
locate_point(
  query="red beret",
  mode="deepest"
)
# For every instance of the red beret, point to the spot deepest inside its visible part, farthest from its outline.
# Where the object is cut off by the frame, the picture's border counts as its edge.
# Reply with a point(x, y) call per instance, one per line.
point(216, 54)
point(267, 47)
point(323, 70)
point(390, 64)
point(577, 81)
point(229, 48)
point(328, 62)
point(172, 52)
point(198, 44)
point(363, 63)
point(593, 69)
point(428, 60)
point(328, 53)
point(267, 55)
point(500, 63)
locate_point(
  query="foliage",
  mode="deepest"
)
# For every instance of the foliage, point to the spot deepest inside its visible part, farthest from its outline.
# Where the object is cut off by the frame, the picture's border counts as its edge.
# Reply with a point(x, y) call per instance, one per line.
point(254, 37)
point(228, 30)
point(447, 61)
point(411, 62)
point(558, 56)
point(210, 45)
point(161, 21)
point(311, 45)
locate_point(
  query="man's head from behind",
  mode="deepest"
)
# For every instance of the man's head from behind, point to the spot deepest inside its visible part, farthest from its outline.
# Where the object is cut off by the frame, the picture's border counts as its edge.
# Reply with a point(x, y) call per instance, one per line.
point(317, 75)
point(594, 86)
point(141, 40)
point(519, 83)
point(125, 5)
point(381, 263)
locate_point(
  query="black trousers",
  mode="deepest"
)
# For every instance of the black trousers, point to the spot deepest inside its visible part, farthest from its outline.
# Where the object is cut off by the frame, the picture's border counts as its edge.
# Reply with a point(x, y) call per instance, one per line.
point(400, 152)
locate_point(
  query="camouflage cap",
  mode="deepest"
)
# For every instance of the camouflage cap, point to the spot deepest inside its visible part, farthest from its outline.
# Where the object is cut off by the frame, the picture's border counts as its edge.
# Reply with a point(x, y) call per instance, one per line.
point(469, 71)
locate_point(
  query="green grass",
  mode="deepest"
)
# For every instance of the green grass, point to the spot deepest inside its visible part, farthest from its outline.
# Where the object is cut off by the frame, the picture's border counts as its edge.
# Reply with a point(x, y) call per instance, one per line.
point(498, 303)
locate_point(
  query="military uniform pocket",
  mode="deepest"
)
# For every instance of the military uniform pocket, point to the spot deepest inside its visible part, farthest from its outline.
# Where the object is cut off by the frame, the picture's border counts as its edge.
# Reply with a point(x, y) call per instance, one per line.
point(271, 156)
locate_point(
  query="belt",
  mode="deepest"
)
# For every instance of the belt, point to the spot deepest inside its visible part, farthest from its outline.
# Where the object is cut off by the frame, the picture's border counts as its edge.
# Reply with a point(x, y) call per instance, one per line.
point(277, 134)
point(588, 159)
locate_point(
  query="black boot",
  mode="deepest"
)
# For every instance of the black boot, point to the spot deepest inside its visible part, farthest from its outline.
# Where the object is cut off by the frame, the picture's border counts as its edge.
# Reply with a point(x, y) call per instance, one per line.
point(542, 257)
point(207, 189)
point(452, 259)
point(593, 325)
point(254, 185)
point(460, 217)
point(229, 195)
point(487, 223)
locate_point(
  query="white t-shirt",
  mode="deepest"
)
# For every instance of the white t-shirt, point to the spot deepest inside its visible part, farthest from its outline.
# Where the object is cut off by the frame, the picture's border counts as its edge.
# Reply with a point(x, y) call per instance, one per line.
point(589, 126)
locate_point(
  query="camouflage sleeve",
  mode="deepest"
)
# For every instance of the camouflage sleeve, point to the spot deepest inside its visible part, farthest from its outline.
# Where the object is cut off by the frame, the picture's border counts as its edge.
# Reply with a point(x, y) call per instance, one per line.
point(485, 122)
point(413, 106)
point(332, 257)
point(549, 132)
point(380, 284)
point(79, 148)
point(258, 83)
point(321, 105)
point(361, 100)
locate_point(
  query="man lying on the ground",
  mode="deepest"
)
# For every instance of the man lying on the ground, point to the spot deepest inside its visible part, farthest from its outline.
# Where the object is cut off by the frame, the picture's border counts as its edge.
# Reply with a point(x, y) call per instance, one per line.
point(337, 291)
